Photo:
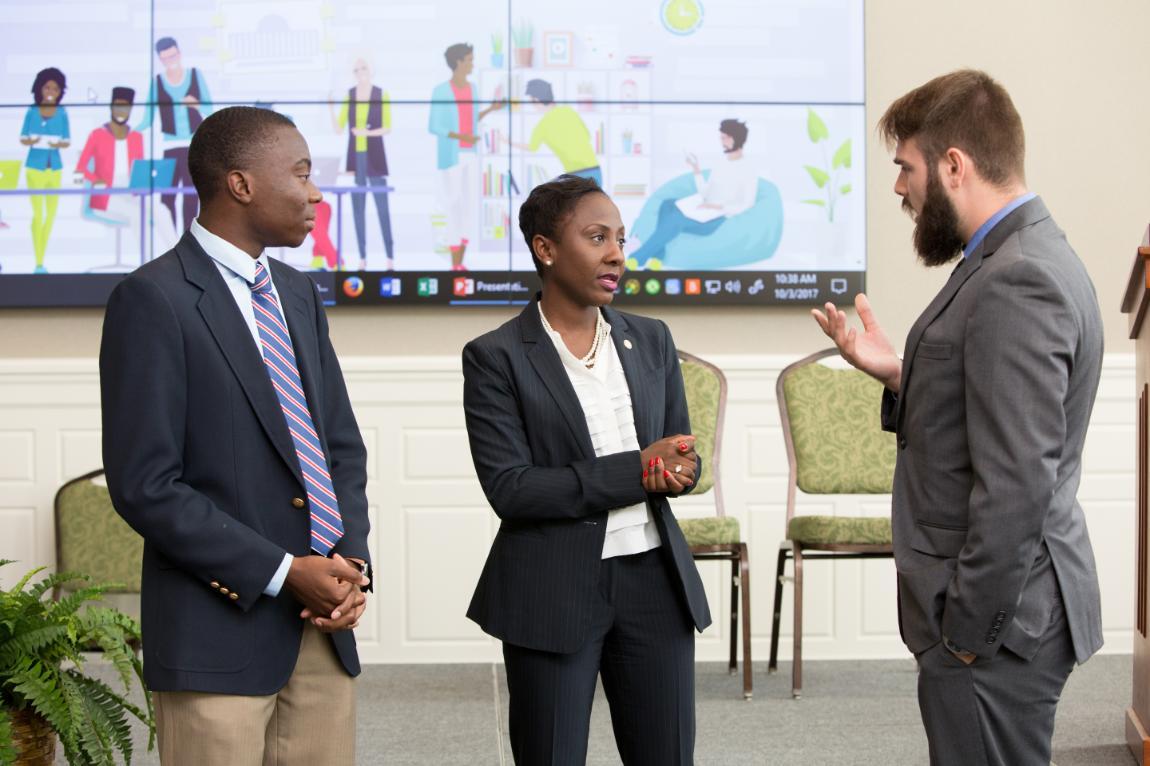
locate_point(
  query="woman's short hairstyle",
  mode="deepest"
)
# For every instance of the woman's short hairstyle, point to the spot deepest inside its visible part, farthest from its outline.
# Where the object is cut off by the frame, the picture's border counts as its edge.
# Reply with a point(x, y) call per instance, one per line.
point(51, 74)
point(966, 110)
point(548, 207)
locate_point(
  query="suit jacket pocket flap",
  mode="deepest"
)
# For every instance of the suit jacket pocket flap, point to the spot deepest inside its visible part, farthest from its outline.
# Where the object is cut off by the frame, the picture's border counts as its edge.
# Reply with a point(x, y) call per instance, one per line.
point(933, 350)
point(935, 540)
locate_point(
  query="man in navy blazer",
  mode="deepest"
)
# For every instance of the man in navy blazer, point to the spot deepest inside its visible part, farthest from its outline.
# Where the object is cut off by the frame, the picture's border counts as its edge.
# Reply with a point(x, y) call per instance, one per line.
point(247, 638)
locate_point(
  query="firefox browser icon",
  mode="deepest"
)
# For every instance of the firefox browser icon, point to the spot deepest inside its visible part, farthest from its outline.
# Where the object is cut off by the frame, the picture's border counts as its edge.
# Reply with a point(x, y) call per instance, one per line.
point(353, 287)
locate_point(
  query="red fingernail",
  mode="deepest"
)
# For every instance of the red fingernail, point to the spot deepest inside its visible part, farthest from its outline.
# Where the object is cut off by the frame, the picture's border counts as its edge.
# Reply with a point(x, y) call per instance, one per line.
point(651, 464)
point(644, 473)
point(683, 447)
point(666, 474)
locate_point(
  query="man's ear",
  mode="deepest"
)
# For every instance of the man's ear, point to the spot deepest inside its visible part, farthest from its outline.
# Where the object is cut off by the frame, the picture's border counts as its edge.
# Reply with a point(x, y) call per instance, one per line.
point(954, 167)
point(239, 186)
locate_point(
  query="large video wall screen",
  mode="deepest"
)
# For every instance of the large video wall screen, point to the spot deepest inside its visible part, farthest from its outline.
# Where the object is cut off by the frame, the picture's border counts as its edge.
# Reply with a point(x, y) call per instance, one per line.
point(730, 135)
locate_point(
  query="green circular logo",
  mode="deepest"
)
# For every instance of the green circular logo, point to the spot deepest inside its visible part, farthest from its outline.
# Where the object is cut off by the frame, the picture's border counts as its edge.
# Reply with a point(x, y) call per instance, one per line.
point(652, 286)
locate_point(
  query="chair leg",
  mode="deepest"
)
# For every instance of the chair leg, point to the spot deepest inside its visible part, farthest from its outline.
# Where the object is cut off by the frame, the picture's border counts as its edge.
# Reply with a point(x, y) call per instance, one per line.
point(745, 583)
point(773, 663)
point(732, 663)
point(797, 671)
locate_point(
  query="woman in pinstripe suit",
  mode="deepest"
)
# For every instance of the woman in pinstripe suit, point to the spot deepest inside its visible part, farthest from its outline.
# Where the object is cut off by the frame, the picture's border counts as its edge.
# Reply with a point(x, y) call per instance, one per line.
point(579, 432)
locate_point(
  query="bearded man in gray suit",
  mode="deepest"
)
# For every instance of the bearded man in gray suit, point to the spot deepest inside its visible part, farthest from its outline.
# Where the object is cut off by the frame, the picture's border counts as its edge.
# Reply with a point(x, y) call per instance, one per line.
point(998, 590)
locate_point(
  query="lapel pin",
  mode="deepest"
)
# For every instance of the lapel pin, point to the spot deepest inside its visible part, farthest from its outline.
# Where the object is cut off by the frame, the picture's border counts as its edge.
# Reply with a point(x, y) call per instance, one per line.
point(627, 343)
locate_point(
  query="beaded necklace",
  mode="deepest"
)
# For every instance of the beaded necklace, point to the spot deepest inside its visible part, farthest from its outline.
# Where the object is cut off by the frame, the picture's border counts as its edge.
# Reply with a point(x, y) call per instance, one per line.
point(587, 360)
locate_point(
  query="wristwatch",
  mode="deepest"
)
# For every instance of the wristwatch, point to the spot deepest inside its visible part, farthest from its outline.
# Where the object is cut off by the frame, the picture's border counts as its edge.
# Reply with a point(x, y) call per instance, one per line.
point(365, 568)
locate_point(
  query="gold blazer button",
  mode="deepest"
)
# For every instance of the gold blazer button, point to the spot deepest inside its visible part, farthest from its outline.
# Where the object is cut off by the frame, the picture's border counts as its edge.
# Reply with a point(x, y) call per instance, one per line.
point(215, 585)
point(298, 502)
point(234, 597)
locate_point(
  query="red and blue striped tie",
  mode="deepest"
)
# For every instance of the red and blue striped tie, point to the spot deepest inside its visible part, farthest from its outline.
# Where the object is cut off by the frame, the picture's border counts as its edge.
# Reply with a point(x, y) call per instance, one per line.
point(279, 358)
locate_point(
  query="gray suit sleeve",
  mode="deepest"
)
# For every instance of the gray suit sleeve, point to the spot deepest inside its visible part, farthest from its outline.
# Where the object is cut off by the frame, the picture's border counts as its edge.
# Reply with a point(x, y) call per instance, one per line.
point(1018, 353)
point(517, 488)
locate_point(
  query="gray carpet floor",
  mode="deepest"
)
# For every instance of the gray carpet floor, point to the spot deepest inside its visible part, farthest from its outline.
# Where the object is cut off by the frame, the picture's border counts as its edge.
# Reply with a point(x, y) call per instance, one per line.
point(850, 713)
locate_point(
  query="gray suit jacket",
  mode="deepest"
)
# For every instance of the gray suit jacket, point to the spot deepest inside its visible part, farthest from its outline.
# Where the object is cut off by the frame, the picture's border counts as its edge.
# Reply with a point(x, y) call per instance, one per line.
point(999, 378)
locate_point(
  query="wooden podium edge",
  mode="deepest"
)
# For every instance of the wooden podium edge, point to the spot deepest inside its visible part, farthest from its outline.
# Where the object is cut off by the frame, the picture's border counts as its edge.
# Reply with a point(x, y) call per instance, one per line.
point(1136, 738)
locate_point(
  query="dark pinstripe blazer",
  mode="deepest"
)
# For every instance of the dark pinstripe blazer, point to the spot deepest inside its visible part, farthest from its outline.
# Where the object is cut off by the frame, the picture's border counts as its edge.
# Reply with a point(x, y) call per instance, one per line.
point(538, 468)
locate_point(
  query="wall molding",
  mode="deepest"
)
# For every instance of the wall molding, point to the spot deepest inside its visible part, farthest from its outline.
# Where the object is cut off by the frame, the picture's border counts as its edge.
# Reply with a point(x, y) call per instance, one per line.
point(432, 525)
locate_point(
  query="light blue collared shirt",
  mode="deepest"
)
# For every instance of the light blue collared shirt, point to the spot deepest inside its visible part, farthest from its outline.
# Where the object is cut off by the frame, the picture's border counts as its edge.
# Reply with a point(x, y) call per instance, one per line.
point(991, 222)
point(239, 272)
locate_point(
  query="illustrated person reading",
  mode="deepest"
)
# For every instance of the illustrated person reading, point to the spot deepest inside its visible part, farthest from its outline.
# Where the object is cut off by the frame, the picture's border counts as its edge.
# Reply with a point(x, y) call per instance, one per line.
point(230, 446)
point(729, 190)
point(998, 589)
point(578, 427)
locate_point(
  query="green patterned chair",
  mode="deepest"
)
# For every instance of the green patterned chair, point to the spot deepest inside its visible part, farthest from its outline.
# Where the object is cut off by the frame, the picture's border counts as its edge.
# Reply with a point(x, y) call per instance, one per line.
point(92, 539)
point(716, 538)
point(835, 446)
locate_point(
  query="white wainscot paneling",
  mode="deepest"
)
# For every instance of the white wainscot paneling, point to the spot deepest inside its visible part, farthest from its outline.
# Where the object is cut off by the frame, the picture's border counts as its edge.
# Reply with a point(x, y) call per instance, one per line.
point(431, 526)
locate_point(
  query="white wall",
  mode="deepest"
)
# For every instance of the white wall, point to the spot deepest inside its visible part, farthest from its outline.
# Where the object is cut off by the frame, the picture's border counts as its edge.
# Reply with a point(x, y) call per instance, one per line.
point(432, 526)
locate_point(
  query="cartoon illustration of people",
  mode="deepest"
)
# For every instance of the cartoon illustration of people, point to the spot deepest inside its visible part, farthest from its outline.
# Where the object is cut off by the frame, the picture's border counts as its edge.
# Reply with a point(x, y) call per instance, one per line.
point(366, 112)
point(729, 190)
point(562, 130)
point(107, 159)
point(181, 97)
point(45, 132)
point(454, 122)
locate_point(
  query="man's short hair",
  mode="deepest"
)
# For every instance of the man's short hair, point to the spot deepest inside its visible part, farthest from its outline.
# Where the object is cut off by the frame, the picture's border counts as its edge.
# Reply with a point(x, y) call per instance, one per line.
point(540, 89)
point(44, 76)
point(737, 130)
point(456, 53)
point(164, 43)
point(966, 110)
point(230, 139)
point(549, 205)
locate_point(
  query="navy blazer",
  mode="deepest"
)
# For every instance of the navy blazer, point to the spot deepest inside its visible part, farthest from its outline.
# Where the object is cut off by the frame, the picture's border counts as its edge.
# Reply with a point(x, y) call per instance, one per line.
point(538, 468)
point(199, 461)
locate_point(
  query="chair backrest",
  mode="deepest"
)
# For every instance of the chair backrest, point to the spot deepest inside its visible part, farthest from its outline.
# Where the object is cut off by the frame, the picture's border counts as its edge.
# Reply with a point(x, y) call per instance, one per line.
point(706, 389)
point(92, 539)
point(832, 427)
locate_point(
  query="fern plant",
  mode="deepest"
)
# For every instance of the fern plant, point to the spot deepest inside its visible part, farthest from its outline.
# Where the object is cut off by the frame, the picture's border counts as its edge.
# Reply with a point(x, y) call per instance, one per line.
point(41, 667)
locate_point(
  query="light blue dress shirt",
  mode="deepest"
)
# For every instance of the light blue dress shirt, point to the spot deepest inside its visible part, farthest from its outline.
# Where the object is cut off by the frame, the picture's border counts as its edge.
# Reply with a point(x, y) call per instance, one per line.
point(993, 221)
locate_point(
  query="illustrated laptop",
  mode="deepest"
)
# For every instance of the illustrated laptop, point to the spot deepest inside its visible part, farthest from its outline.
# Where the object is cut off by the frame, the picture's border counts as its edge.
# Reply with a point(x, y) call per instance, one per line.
point(325, 170)
point(9, 174)
point(152, 174)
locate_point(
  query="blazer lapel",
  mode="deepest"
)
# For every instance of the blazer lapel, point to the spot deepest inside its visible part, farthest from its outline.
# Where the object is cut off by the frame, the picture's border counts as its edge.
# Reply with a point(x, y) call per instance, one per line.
point(1025, 215)
point(545, 359)
point(231, 333)
point(631, 355)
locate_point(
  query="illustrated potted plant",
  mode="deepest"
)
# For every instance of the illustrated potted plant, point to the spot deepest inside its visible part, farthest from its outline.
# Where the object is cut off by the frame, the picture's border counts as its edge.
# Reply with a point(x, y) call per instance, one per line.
point(830, 177)
point(496, 50)
point(44, 692)
point(523, 36)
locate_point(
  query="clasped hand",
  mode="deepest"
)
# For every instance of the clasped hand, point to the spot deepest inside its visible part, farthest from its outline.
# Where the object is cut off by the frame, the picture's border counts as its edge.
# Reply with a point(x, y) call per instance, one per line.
point(669, 464)
point(330, 591)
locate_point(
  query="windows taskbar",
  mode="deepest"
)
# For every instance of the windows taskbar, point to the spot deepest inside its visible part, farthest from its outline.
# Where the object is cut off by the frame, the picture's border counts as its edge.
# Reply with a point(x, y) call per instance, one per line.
point(490, 288)
point(663, 288)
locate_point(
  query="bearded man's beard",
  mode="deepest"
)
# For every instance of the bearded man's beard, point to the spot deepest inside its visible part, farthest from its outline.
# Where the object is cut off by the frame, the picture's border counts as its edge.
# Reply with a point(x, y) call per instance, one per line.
point(936, 237)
